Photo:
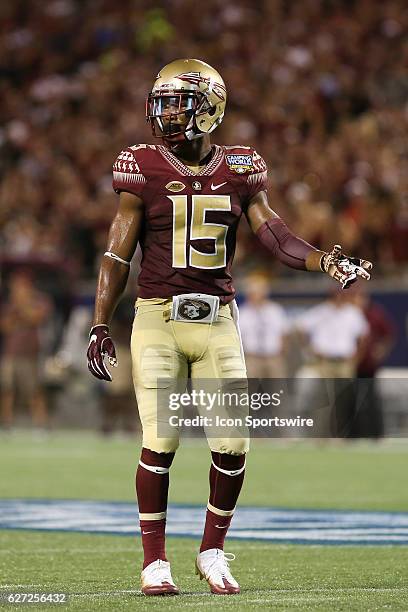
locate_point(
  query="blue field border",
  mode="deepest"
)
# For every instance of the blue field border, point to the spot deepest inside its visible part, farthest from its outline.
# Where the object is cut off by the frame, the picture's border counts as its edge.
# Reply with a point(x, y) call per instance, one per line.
point(288, 542)
point(306, 526)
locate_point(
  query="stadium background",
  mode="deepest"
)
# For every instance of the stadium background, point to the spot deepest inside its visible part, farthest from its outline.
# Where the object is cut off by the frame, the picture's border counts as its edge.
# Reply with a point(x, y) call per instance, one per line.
point(319, 88)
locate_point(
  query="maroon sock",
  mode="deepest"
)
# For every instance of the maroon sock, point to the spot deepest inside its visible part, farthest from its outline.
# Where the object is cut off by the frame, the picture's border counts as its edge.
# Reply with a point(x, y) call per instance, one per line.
point(224, 492)
point(215, 530)
point(153, 540)
point(152, 490)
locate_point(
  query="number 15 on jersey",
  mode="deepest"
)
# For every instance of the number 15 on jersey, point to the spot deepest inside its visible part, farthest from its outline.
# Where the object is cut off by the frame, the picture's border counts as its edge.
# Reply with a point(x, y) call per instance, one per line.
point(199, 229)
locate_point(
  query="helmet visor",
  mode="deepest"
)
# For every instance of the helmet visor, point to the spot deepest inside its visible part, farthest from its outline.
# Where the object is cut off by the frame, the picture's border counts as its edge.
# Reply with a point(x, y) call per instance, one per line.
point(171, 105)
point(170, 112)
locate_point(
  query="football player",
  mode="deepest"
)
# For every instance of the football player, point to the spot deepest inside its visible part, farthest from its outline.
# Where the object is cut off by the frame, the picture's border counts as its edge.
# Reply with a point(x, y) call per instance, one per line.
point(181, 199)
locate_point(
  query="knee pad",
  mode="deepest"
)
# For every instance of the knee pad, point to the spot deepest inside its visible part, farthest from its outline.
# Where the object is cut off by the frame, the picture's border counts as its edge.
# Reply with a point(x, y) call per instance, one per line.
point(230, 446)
point(157, 434)
point(159, 445)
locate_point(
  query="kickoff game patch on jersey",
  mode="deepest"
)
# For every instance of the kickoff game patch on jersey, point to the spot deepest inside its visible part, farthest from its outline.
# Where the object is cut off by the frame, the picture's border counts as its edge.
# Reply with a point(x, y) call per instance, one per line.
point(175, 186)
point(240, 163)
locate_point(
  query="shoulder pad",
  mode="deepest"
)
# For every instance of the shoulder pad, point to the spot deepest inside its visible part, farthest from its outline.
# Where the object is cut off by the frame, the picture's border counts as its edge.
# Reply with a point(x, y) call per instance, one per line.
point(133, 159)
point(141, 147)
point(127, 171)
point(243, 160)
point(126, 162)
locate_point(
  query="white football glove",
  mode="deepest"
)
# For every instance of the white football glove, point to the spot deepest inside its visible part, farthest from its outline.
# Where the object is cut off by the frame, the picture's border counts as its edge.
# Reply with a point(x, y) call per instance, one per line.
point(345, 269)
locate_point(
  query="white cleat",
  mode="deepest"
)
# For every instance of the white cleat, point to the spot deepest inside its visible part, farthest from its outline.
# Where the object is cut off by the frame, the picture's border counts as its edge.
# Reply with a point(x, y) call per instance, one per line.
point(213, 565)
point(157, 580)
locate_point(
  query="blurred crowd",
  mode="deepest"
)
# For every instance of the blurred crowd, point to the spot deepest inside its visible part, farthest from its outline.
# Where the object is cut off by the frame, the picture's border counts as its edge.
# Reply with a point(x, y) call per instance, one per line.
point(319, 87)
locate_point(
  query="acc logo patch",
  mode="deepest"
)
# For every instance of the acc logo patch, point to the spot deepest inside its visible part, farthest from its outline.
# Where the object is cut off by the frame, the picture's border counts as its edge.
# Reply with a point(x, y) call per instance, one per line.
point(240, 163)
point(175, 186)
point(193, 310)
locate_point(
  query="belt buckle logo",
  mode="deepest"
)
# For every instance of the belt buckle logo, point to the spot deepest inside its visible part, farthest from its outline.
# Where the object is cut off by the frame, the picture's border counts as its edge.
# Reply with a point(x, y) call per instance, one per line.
point(193, 310)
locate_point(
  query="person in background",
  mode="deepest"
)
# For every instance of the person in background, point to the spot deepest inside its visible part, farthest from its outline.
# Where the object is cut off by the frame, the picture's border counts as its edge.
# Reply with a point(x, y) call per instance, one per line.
point(264, 327)
point(21, 319)
point(335, 332)
point(380, 339)
point(114, 404)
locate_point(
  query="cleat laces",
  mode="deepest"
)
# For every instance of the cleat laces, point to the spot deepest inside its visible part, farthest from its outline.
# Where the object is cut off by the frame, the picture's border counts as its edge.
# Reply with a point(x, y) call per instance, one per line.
point(160, 573)
point(220, 569)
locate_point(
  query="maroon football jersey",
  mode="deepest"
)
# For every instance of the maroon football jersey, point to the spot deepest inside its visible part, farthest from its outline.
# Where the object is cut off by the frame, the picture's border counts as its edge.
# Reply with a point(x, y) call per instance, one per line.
point(191, 219)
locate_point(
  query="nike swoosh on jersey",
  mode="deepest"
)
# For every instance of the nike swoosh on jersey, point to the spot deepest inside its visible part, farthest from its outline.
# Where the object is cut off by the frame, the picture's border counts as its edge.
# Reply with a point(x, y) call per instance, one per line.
point(221, 526)
point(214, 187)
point(147, 532)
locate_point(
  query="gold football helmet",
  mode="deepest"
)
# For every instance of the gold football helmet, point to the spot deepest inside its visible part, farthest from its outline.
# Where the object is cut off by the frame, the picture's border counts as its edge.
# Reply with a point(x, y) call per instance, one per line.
point(187, 100)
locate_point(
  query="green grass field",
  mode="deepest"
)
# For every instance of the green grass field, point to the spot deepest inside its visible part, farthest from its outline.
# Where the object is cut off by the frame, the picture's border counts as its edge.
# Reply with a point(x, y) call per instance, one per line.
point(102, 572)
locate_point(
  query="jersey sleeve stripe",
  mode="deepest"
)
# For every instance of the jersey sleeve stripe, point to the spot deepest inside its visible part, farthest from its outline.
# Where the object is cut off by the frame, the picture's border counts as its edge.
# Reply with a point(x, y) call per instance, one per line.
point(127, 177)
point(258, 177)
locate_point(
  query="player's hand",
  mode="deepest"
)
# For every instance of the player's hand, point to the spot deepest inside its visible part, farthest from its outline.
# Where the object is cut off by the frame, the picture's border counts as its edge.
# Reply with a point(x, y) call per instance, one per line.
point(344, 269)
point(100, 344)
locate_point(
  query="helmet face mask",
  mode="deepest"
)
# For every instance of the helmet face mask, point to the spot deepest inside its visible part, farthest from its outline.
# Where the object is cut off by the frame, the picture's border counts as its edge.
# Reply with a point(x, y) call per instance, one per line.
point(187, 101)
point(169, 114)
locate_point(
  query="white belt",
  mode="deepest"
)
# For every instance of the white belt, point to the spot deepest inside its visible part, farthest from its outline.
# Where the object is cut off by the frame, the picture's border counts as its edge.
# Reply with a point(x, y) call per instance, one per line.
point(195, 308)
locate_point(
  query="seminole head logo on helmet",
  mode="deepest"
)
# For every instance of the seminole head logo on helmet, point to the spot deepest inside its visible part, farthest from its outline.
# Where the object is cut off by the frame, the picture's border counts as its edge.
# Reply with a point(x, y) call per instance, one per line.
point(187, 101)
point(205, 83)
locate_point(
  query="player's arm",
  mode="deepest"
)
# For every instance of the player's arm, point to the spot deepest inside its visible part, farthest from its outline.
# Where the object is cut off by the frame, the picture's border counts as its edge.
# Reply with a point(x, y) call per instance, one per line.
point(113, 275)
point(291, 250)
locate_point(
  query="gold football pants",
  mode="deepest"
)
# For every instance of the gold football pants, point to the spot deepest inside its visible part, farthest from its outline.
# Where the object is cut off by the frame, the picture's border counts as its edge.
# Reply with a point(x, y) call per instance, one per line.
point(166, 353)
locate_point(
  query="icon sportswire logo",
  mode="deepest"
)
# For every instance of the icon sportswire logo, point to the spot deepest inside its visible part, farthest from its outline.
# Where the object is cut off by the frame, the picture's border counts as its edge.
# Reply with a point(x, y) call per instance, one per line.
point(214, 187)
